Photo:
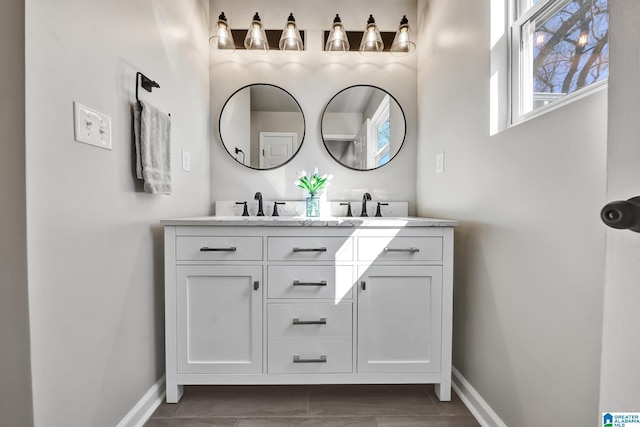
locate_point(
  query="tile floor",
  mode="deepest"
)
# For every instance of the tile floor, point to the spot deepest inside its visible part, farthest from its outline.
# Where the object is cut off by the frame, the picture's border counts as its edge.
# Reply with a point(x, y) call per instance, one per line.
point(312, 406)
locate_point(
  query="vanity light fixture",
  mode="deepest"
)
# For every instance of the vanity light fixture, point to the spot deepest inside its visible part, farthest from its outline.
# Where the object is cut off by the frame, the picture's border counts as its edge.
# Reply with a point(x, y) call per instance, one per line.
point(371, 43)
point(371, 40)
point(290, 41)
point(402, 42)
point(256, 39)
point(221, 37)
point(337, 42)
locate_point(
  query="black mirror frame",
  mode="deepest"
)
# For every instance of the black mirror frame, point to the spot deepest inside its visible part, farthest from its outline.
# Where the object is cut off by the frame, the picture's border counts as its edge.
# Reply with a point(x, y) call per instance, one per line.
point(404, 137)
point(304, 126)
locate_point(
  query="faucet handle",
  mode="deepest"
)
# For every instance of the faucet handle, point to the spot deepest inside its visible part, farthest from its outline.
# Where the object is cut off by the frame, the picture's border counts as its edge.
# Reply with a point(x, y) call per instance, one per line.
point(378, 213)
point(245, 212)
point(348, 205)
point(275, 208)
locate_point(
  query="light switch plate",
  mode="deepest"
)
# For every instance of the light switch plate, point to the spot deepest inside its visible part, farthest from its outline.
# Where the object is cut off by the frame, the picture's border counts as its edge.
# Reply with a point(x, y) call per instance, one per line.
point(440, 162)
point(91, 127)
point(186, 161)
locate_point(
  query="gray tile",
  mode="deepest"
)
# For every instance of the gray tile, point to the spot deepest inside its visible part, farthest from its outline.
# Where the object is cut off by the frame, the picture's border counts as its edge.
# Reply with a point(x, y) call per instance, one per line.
point(192, 422)
point(454, 407)
point(308, 422)
point(243, 401)
point(370, 400)
point(165, 410)
point(428, 421)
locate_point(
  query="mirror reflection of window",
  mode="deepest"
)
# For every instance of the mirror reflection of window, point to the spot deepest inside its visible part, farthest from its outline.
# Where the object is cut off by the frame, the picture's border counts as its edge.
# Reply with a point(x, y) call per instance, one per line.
point(381, 121)
point(363, 127)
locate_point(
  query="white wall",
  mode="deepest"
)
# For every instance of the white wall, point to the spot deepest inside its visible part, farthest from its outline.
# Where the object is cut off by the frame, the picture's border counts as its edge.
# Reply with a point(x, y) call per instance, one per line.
point(15, 378)
point(95, 243)
point(530, 251)
point(620, 374)
point(313, 77)
point(236, 122)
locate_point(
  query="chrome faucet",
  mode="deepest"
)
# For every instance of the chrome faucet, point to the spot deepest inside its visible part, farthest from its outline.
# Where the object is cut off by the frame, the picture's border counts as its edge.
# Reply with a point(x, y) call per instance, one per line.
point(258, 197)
point(365, 197)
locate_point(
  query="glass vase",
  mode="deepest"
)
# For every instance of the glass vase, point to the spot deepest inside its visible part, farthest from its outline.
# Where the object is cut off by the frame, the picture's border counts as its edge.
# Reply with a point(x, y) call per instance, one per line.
point(313, 205)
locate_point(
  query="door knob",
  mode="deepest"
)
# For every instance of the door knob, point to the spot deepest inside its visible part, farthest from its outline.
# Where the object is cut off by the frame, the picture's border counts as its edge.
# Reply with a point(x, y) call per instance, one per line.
point(622, 214)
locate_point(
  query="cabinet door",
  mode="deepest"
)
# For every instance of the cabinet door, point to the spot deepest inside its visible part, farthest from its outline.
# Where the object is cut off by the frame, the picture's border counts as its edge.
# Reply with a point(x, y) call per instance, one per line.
point(399, 319)
point(219, 319)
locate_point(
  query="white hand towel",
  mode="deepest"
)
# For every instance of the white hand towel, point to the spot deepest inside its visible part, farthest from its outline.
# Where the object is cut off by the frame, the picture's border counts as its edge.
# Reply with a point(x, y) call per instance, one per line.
point(152, 134)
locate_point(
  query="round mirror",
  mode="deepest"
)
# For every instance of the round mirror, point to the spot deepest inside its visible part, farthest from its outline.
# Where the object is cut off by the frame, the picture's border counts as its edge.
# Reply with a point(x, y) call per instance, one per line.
point(363, 127)
point(262, 126)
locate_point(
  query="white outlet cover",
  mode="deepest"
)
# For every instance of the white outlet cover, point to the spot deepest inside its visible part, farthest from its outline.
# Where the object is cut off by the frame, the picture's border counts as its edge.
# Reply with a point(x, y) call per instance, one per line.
point(91, 126)
point(186, 161)
point(440, 162)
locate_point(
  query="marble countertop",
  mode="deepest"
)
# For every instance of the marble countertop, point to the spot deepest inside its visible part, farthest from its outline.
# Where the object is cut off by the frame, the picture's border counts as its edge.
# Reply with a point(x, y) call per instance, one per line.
point(301, 221)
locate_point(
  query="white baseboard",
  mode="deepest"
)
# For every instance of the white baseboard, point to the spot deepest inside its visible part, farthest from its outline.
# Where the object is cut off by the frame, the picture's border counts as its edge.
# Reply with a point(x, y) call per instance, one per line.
point(476, 404)
point(142, 411)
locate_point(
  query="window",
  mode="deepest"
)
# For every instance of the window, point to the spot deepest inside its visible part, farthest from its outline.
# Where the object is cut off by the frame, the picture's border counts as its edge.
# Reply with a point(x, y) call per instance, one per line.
point(560, 50)
point(380, 122)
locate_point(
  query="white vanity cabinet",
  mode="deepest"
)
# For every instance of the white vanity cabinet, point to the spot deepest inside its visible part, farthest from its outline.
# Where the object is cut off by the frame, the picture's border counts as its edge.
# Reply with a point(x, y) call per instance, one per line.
point(219, 319)
point(260, 301)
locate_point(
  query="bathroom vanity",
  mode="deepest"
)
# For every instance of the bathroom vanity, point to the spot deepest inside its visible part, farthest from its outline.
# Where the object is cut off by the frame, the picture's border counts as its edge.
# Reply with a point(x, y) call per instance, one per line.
point(291, 300)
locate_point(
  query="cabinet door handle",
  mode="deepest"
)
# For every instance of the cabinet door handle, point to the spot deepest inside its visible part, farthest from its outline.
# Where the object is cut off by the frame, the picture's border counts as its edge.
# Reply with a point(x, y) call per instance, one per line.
point(411, 249)
point(323, 359)
point(206, 249)
point(363, 285)
point(256, 285)
point(322, 321)
point(322, 249)
point(299, 283)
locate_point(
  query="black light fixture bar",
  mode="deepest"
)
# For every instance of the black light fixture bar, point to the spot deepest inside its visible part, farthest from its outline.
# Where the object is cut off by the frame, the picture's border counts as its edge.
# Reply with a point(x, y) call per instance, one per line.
point(355, 37)
point(273, 37)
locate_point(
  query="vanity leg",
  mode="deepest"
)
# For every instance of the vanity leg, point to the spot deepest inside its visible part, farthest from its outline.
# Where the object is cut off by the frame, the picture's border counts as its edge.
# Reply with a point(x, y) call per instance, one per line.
point(174, 392)
point(443, 391)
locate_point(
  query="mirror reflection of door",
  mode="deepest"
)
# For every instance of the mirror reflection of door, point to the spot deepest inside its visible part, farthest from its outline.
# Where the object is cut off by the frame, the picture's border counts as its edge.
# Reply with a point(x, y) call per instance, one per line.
point(276, 148)
point(363, 127)
point(257, 110)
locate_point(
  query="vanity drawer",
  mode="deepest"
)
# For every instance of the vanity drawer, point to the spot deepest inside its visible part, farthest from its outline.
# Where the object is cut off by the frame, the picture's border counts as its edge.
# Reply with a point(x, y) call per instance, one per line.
point(309, 356)
point(303, 281)
point(309, 320)
point(400, 249)
point(310, 248)
point(219, 248)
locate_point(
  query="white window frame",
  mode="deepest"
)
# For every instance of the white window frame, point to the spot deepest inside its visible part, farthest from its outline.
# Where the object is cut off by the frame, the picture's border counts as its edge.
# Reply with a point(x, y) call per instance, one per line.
point(517, 61)
point(383, 112)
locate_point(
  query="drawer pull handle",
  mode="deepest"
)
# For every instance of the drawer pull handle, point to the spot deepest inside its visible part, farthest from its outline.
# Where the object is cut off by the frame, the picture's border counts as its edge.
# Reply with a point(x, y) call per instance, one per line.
point(411, 249)
point(322, 249)
point(322, 321)
point(323, 359)
point(206, 249)
point(299, 283)
point(256, 285)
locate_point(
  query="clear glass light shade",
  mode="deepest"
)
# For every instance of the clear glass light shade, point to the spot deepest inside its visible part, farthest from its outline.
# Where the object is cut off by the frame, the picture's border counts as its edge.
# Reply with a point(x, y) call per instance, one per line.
point(337, 42)
point(221, 38)
point(256, 39)
point(371, 43)
point(402, 42)
point(290, 40)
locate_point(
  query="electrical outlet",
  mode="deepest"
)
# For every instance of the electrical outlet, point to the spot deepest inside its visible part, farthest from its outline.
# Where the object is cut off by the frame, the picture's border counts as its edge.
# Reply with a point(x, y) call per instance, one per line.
point(186, 161)
point(91, 127)
point(440, 162)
